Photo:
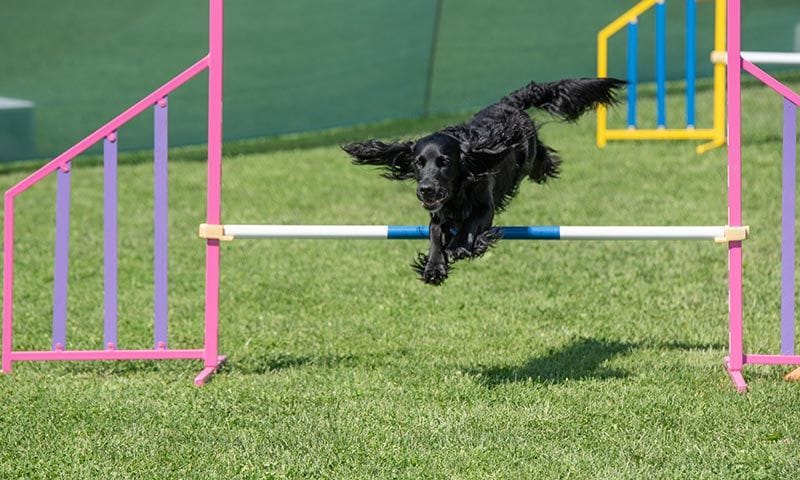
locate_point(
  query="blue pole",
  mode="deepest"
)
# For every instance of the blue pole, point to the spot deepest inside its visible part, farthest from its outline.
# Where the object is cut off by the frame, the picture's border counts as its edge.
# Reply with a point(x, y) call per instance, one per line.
point(661, 63)
point(691, 61)
point(530, 232)
point(633, 54)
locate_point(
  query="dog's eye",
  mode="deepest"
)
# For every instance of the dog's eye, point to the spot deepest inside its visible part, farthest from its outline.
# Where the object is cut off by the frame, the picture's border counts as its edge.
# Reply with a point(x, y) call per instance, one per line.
point(420, 161)
point(443, 161)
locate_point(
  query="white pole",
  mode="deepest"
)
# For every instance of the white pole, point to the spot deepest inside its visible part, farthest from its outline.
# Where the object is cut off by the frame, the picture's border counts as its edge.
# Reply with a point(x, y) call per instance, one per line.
point(772, 58)
point(307, 231)
point(642, 233)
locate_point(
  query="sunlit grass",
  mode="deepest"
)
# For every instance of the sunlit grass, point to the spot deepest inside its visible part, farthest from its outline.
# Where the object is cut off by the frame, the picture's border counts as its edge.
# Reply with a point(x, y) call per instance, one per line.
point(541, 360)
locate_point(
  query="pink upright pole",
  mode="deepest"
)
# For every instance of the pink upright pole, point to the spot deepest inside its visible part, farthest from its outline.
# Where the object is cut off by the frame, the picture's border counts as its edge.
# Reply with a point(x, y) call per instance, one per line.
point(8, 280)
point(215, 40)
point(736, 358)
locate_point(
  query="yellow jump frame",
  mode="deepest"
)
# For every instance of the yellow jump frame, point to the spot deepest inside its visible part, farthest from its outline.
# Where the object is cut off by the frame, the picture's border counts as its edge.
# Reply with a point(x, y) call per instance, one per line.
point(715, 135)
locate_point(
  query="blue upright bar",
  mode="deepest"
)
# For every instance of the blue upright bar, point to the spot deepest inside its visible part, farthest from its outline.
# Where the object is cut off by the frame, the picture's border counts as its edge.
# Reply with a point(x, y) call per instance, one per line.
point(661, 63)
point(633, 54)
point(691, 60)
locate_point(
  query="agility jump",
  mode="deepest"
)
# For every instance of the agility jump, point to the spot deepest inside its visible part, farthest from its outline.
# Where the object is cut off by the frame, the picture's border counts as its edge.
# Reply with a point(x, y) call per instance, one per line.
point(214, 232)
point(630, 19)
point(718, 58)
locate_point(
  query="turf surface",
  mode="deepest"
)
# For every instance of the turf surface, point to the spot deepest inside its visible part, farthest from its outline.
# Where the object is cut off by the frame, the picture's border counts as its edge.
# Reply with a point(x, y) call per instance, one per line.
point(541, 360)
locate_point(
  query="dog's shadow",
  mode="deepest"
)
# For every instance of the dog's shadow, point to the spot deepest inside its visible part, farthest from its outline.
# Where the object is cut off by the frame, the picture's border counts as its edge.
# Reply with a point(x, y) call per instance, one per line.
point(583, 359)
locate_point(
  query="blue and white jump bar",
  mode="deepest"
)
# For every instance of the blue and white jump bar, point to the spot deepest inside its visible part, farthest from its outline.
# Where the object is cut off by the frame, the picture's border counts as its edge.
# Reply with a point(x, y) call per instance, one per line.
point(408, 232)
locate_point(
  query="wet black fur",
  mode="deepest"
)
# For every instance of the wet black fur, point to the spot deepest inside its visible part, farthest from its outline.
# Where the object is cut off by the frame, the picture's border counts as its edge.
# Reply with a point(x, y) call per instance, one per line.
point(466, 173)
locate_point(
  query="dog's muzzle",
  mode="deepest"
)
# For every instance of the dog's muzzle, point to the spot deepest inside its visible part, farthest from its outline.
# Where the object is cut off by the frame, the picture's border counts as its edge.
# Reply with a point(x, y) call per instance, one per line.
point(432, 198)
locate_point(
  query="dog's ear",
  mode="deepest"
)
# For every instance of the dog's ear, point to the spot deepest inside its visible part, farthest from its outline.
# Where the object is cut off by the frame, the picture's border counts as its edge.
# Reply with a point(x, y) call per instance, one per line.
point(394, 158)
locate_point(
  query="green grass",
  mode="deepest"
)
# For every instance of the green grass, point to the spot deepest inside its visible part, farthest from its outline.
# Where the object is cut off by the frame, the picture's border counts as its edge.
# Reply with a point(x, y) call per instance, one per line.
point(541, 360)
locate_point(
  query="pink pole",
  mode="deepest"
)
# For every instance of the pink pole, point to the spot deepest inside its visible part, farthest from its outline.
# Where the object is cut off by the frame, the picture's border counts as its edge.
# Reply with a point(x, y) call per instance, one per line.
point(111, 354)
point(215, 52)
point(736, 358)
point(771, 82)
point(8, 280)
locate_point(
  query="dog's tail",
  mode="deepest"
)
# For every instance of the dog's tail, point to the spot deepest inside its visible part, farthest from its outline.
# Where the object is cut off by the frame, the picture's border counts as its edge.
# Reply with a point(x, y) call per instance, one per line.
point(569, 98)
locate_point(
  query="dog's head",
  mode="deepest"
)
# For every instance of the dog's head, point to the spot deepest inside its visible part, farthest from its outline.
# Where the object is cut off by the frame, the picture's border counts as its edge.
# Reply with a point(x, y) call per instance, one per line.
point(434, 161)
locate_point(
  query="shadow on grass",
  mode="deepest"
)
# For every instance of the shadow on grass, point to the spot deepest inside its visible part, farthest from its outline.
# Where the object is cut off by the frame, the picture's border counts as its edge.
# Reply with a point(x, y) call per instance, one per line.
point(582, 359)
point(579, 360)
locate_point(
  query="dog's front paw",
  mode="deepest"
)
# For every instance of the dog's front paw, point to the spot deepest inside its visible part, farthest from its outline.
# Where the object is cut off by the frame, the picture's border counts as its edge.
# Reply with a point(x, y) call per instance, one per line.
point(434, 273)
point(429, 272)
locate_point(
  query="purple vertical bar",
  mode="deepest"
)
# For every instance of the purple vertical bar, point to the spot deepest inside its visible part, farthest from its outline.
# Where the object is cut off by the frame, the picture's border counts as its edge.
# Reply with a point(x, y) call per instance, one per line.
point(787, 227)
point(110, 241)
point(61, 262)
point(160, 225)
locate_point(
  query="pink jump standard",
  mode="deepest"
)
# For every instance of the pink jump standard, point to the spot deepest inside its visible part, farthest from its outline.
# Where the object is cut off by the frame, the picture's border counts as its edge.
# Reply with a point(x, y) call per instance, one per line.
point(211, 358)
point(61, 164)
point(737, 359)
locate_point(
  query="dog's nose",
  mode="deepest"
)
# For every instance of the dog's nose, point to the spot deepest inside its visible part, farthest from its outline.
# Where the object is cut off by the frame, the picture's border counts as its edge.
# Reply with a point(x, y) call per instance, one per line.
point(425, 191)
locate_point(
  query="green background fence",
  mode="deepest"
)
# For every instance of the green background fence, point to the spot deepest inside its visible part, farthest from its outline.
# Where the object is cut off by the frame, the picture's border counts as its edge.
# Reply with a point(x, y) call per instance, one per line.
point(302, 65)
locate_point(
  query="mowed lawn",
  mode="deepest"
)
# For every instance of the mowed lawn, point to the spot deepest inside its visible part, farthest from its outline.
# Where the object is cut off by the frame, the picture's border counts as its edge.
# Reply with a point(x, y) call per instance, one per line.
point(540, 360)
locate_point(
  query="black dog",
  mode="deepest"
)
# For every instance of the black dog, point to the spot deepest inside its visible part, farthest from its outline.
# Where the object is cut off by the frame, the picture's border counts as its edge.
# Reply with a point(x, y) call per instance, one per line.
point(466, 173)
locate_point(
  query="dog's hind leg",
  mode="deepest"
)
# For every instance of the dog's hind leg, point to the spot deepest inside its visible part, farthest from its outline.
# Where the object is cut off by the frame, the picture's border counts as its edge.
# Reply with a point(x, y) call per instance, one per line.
point(484, 241)
point(545, 163)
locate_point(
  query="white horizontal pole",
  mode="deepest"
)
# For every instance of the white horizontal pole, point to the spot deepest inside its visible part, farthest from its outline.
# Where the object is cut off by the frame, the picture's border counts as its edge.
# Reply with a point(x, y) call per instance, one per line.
point(643, 233)
point(773, 58)
point(307, 231)
point(717, 233)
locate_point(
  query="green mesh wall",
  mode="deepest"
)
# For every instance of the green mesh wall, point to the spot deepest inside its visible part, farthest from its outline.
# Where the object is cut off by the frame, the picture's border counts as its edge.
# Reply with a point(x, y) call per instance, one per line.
point(302, 65)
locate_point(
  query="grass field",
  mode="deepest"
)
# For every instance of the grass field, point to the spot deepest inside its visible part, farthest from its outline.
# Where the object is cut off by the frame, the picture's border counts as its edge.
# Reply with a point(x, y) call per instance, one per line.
point(541, 360)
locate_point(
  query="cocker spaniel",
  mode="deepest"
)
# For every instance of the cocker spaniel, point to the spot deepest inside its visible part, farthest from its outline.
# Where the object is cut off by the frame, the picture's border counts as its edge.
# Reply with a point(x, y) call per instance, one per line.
point(466, 173)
